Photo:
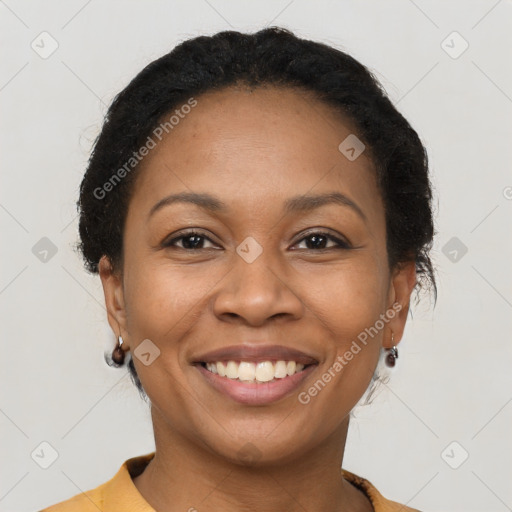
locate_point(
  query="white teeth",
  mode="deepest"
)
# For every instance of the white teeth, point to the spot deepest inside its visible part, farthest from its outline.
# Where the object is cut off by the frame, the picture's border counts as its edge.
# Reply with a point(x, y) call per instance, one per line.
point(246, 371)
point(221, 369)
point(262, 371)
point(232, 370)
point(280, 370)
point(212, 367)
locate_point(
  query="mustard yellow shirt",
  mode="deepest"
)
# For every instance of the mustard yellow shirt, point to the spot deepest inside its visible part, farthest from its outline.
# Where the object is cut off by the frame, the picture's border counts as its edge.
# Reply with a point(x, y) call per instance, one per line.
point(119, 494)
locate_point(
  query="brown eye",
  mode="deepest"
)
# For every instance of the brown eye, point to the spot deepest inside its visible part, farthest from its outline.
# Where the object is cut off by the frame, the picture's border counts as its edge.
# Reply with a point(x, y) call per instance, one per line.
point(322, 241)
point(190, 241)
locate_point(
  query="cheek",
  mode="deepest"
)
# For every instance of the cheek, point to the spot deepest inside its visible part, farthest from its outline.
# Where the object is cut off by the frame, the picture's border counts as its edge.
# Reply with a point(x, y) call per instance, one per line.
point(163, 303)
point(162, 300)
point(349, 299)
point(347, 305)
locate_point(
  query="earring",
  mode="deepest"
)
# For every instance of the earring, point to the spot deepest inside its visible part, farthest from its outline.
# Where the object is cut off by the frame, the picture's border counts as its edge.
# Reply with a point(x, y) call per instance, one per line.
point(118, 352)
point(392, 354)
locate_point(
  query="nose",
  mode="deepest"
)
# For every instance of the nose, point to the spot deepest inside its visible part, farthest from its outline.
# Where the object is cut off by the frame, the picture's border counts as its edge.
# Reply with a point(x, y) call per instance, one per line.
point(253, 293)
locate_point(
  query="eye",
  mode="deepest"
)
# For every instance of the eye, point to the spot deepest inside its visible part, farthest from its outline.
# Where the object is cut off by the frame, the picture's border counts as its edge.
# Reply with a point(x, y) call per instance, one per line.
point(319, 240)
point(189, 241)
point(315, 241)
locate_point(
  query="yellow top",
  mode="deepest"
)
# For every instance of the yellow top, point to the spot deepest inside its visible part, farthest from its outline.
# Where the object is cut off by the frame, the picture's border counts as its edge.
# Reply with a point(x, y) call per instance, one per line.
point(119, 494)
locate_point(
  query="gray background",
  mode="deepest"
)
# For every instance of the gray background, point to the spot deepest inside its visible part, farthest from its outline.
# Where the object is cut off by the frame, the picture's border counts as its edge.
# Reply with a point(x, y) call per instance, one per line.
point(453, 382)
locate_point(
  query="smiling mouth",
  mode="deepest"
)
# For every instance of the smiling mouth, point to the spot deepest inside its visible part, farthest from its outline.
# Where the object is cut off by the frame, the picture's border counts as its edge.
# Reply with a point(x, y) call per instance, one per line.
point(257, 372)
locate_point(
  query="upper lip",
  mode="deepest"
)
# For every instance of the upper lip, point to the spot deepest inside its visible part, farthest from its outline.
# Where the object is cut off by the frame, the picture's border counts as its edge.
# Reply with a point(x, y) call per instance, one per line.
point(248, 352)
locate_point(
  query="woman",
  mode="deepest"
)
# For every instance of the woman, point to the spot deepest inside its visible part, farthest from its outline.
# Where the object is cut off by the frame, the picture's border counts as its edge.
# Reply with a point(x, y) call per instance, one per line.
point(259, 215)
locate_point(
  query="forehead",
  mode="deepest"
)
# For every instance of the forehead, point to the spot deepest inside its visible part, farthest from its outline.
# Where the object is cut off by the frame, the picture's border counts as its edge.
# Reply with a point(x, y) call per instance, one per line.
point(257, 146)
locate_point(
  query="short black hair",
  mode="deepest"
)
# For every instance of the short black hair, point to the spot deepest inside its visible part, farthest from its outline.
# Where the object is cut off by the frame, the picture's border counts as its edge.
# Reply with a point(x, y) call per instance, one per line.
point(273, 56)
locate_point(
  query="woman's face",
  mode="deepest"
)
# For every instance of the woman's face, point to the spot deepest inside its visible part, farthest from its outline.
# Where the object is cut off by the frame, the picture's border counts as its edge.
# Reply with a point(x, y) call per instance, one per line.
point(269, 274)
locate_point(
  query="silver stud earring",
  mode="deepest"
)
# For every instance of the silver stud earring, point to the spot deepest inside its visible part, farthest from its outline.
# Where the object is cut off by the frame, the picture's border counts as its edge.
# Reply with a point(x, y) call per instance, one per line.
point(392, 354)
point(118, 353)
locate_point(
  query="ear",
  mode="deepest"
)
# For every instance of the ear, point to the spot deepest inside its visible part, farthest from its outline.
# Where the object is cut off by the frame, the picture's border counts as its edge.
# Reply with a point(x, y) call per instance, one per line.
point(403, 281)
point(114, 297)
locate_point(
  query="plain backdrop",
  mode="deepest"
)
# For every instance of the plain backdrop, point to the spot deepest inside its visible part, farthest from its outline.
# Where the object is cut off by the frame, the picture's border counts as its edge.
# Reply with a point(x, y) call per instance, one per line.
point(438, 435)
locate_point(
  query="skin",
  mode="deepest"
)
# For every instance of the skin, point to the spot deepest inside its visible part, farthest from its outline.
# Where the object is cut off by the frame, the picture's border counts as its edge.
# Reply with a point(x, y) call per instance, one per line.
point(253, 149)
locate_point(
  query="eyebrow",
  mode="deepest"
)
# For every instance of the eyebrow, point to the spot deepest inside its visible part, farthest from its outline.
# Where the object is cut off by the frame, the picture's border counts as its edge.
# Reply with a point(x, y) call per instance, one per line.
point(205, 201)
point(303, 203)
point(310, 202)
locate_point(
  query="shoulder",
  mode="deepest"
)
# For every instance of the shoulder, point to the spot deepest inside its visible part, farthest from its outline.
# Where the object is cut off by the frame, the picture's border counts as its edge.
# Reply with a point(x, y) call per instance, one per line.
point(379, 502)
point(119, 494)
point(92, 500)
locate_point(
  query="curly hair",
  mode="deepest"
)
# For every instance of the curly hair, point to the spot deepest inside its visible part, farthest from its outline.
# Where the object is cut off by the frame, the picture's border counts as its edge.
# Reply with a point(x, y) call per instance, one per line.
point(276, 57)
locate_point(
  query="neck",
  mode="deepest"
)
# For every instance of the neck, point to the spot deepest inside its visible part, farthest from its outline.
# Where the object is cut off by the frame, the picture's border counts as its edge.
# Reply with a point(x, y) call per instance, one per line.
point(183, 476)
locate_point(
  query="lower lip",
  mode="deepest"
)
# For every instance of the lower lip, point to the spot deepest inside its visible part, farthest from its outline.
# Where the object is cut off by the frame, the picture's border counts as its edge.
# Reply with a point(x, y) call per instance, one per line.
point(252, 393)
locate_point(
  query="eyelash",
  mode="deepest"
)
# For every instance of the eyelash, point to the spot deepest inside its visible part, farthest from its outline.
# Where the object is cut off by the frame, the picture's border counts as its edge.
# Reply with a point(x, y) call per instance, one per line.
point(340, 244)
